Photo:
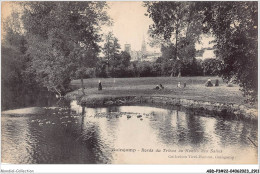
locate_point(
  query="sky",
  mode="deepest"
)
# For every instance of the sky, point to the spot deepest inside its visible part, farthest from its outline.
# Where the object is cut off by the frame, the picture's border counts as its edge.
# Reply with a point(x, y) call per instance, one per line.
point(6, 9)
point(130, 24)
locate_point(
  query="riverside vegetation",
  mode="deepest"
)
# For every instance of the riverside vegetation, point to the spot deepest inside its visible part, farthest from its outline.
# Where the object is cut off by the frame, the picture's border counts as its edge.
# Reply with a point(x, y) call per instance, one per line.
point(122, 91)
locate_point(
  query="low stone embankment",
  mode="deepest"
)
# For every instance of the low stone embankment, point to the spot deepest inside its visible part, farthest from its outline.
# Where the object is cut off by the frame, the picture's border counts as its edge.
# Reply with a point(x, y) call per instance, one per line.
point(195, 106)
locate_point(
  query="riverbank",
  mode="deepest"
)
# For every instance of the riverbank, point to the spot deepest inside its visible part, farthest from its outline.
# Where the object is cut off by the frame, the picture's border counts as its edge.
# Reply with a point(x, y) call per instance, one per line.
point(195, 96)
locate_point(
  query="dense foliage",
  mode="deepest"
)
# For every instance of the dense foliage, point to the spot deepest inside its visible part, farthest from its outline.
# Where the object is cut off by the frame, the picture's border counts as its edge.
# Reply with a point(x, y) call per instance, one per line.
point(179, 24)
point(234, 25)
point(17, 82)
point(57, 42)
point(62, 40)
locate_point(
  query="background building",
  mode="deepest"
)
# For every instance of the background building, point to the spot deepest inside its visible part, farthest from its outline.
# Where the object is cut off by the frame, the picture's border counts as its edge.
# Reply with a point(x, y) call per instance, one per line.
point(143, 54)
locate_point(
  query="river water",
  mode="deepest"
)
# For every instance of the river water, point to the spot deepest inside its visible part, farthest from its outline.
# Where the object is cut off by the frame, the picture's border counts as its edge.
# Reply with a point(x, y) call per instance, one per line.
point(71, 134)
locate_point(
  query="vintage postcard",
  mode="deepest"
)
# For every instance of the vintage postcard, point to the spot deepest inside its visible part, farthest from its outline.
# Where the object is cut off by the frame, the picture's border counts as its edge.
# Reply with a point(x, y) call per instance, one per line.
point(129, 82)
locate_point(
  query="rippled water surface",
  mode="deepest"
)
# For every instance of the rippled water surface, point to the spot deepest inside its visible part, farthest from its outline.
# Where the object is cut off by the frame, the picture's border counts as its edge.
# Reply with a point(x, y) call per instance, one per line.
point(124, 134)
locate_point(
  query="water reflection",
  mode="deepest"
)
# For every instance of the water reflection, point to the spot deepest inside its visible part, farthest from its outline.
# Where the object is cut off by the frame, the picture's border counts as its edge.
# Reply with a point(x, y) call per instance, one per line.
point(196, 130)
point(226, 130)
point(71, 134)
point(11, 100)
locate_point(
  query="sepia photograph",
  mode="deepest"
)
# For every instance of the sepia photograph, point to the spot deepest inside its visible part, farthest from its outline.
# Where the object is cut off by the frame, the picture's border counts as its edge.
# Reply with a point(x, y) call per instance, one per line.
point(129, 82)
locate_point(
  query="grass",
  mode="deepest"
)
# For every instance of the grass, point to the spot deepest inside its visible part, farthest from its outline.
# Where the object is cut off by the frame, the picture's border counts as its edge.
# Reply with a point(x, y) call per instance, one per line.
point(195, 88)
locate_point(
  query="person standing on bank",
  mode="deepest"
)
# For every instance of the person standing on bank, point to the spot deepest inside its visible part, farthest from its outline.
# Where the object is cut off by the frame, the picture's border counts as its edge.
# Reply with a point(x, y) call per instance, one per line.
point(99, 85)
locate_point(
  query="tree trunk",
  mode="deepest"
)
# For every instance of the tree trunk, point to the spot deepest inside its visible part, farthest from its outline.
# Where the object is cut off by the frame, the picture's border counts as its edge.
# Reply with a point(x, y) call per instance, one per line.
point(57, 92)
point(179, 74)
point(176, 44)
point(176, 53)
point(83, 111)
point(82, 85)
point(179, 68)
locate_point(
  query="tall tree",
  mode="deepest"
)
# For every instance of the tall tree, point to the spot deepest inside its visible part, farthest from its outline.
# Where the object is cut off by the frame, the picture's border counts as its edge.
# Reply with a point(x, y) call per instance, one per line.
point(178, 23)
point(211, 66)
point(121, 64)
point(62, 40)
point(111, 51)
point(235, 27)
point(168, 57)
point(16, 81)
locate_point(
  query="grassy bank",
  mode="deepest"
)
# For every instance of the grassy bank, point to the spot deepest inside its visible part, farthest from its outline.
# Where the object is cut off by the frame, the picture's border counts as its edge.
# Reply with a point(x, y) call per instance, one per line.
point(195, 89)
